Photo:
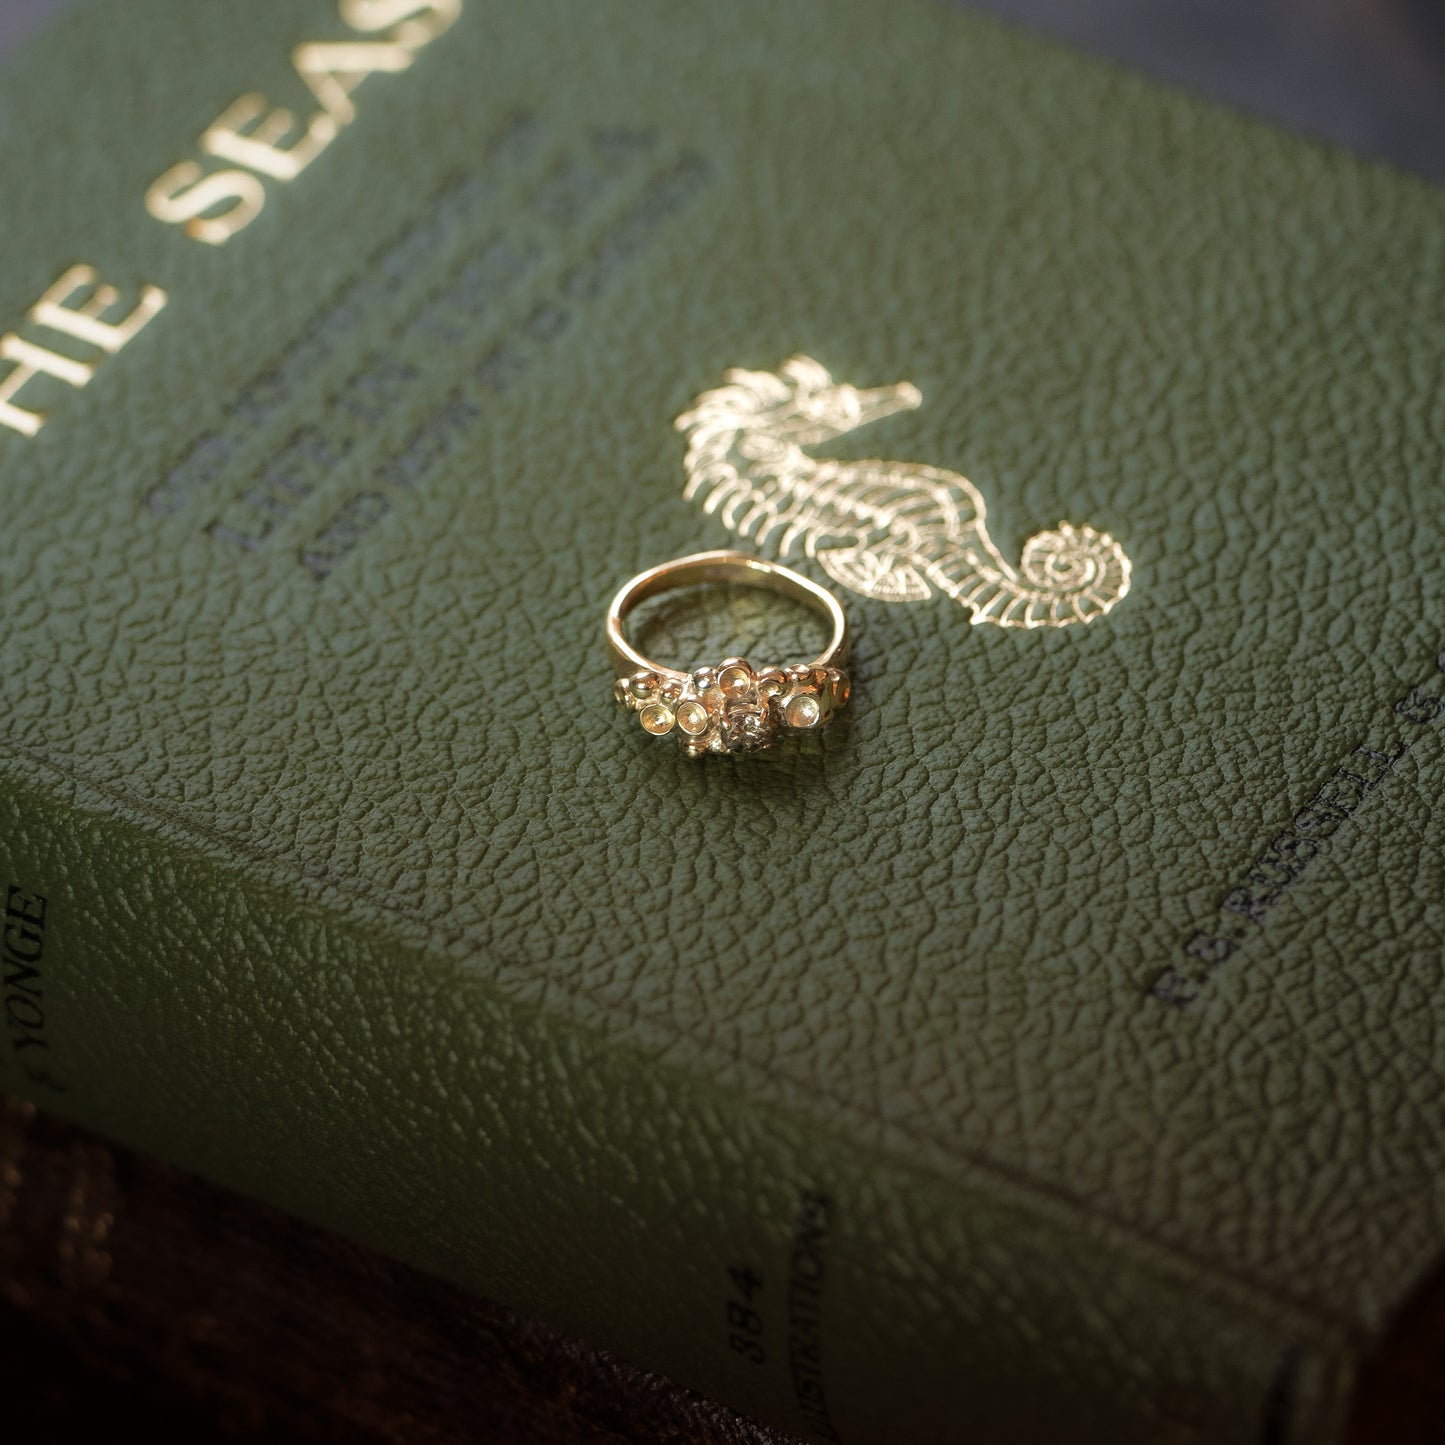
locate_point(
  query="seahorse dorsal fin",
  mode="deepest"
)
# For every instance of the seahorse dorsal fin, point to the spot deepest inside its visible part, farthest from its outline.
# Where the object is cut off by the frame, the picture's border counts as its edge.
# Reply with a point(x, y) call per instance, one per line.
point(887, 577)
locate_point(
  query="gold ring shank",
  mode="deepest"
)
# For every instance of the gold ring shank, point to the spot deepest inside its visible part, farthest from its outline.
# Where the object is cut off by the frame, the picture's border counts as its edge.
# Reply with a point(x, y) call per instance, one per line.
point(736, 568)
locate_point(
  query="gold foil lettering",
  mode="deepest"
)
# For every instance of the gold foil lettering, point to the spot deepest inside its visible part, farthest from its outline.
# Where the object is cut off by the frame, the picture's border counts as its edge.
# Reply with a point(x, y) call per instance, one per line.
point(334, 71)
point(37, 359)
point(54, 310)
point(259, 149)
point(253, 136)
point(181, 197)
point(30, 361)
point(417, 22)
point(214, 207)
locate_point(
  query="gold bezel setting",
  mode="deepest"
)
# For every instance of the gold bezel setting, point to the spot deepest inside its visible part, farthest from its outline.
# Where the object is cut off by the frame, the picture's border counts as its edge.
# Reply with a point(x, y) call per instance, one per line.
point(733, 707)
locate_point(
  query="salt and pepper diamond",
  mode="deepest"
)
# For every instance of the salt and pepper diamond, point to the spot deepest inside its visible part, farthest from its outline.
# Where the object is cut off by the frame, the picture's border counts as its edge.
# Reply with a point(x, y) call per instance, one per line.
point(732, 708)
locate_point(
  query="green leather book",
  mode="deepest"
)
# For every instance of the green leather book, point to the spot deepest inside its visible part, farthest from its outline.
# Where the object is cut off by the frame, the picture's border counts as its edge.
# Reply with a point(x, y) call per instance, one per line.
point(1050, 1049)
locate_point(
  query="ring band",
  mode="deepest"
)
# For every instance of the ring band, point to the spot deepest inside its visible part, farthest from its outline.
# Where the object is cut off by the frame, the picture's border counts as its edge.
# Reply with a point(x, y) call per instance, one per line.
point(732, 707)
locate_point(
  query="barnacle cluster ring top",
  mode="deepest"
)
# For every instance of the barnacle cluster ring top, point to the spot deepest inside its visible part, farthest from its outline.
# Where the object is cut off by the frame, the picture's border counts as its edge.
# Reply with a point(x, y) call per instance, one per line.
point(730, 706)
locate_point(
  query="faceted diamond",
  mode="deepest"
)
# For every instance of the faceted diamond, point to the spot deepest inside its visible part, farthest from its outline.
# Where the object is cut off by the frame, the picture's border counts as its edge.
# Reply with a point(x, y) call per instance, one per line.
point(657, 718)
point(744, 731)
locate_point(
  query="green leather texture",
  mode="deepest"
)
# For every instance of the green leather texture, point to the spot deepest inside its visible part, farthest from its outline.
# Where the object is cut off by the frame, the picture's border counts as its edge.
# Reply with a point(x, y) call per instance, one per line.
point(363, 898)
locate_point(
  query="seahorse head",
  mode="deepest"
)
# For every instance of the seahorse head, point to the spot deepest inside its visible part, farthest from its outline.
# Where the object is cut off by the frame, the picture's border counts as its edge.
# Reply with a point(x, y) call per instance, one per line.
point(799, 404)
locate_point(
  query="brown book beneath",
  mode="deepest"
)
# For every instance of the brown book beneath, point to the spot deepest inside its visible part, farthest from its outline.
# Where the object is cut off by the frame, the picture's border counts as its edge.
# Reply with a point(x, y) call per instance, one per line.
point(120, 1272)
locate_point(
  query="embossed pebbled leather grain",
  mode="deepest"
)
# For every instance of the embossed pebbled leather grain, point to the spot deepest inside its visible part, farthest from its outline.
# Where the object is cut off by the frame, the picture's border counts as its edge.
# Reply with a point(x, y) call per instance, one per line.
point(363, 900)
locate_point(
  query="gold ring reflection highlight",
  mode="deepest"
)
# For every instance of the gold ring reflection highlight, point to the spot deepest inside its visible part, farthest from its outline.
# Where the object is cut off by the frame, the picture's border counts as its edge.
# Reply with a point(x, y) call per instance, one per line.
point(731, 707)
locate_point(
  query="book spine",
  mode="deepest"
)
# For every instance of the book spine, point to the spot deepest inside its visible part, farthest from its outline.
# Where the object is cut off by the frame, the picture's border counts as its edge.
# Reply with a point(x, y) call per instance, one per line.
point(276, 1036)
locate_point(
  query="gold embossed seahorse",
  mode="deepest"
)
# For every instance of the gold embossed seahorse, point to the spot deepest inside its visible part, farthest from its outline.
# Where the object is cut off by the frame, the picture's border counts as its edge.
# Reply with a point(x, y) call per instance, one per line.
point(891, 530)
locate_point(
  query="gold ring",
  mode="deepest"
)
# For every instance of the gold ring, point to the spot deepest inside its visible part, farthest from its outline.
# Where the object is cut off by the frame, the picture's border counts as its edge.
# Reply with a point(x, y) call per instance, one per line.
point(732, 707)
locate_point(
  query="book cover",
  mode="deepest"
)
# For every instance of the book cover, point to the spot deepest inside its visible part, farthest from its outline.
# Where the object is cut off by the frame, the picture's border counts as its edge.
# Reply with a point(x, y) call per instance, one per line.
point(1050, 1048)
